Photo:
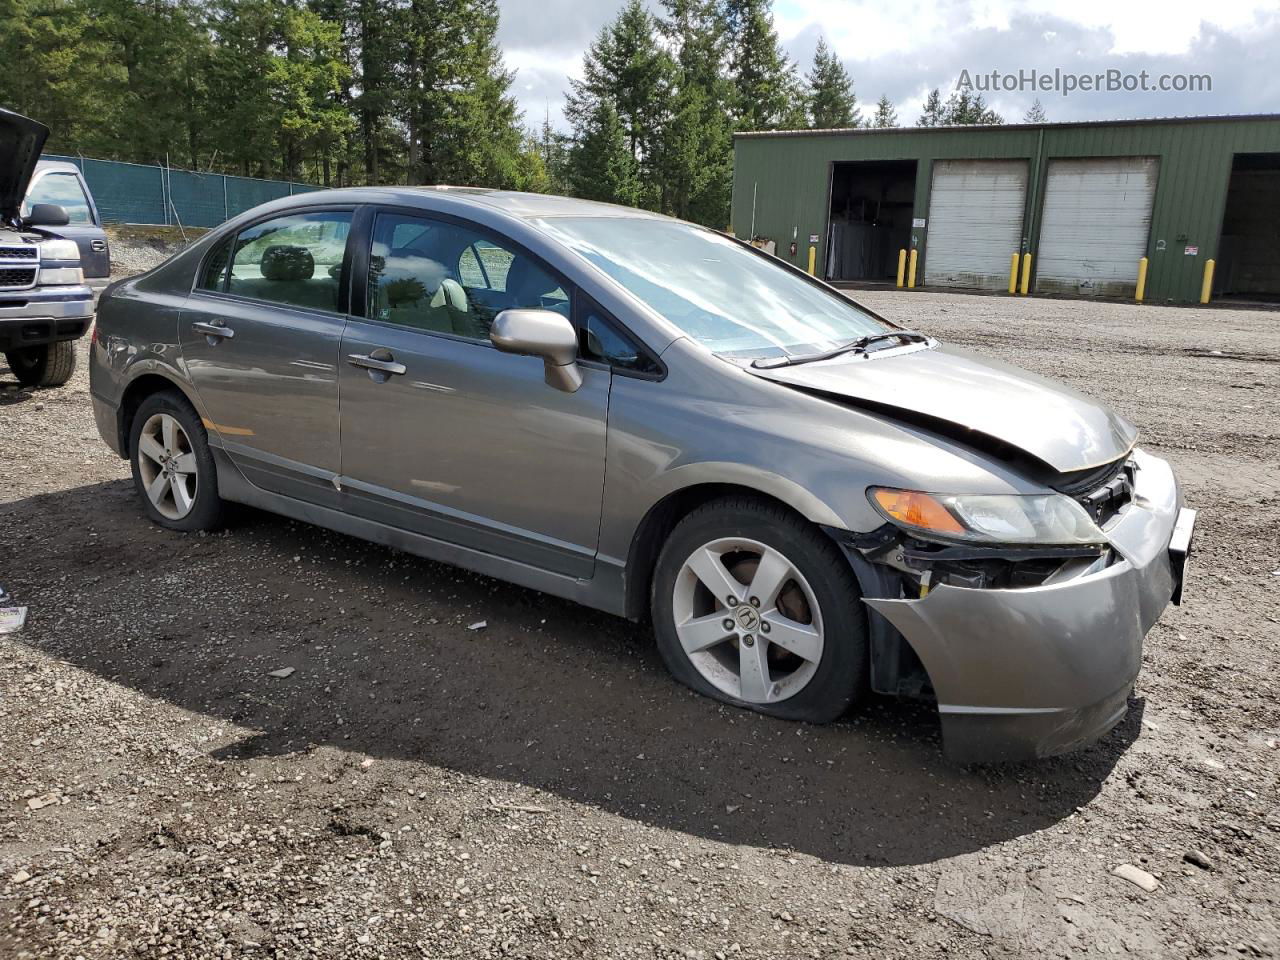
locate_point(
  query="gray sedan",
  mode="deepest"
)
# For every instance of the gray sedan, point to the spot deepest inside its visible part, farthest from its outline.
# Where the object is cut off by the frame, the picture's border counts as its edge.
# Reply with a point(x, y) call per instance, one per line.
point(653, 419)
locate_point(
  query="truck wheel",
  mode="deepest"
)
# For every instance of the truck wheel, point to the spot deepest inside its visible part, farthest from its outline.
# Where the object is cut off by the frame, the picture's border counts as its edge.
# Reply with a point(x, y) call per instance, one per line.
point(173, 468)
point(50, 365)
point(755, 606)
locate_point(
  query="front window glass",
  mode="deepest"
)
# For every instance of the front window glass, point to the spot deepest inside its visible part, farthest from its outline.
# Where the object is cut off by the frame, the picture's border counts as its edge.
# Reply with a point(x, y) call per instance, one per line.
point(447, 278)
point(63, 189)
point(294, 260)
point(734, 301)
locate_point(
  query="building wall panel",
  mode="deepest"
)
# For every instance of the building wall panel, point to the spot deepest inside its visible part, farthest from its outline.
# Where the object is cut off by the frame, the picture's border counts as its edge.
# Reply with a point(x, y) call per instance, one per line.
point(788, 173)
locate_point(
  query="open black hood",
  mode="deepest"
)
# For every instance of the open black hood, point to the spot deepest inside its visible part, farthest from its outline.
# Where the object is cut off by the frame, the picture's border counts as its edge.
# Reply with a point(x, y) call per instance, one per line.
point(21, 140)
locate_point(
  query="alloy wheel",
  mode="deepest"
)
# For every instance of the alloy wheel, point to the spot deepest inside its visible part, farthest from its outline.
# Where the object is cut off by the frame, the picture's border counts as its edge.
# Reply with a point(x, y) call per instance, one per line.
point(748, 620)
point(168, 466)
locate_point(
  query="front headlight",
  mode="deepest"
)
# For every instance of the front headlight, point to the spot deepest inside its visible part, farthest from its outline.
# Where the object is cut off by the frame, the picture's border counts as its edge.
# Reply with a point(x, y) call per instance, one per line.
point(59, 250)
point(1044, 519)
point(61, 276)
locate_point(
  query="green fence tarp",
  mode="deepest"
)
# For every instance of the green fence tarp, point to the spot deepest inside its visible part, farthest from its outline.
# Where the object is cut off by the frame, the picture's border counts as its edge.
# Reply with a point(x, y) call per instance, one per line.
point(139, 193)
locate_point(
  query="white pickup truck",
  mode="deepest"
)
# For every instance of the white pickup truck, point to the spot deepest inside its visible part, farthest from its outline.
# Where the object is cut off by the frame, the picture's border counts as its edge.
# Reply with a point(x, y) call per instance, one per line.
point(45, 303)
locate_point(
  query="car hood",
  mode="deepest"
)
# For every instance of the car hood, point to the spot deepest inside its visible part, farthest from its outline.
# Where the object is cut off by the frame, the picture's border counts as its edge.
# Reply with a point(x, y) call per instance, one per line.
point(21, 140)
point(952, 388)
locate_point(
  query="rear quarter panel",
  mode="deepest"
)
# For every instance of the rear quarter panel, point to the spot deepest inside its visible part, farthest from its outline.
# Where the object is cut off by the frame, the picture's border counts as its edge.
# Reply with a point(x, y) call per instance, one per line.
point(137, 334)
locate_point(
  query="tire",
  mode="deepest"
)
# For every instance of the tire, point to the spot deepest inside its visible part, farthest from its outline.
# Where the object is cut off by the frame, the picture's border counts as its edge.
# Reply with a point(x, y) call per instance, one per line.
point(50, 365)
point(817, 687)
point(169, 453)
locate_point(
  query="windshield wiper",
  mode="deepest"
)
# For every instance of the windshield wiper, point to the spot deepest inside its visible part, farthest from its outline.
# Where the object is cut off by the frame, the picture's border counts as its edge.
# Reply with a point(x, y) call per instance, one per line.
point(788, 360)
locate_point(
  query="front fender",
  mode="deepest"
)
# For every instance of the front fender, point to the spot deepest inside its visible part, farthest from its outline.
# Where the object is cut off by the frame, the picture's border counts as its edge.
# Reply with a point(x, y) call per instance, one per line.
point(767, 482)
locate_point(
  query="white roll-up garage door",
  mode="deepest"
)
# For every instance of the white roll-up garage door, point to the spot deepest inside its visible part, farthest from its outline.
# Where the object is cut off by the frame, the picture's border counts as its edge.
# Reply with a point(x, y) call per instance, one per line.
point(1097, 217)
point(975, 222)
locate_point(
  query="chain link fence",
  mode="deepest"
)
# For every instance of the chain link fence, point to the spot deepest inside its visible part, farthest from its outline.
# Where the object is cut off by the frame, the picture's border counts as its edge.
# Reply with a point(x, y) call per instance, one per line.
point(142, 193)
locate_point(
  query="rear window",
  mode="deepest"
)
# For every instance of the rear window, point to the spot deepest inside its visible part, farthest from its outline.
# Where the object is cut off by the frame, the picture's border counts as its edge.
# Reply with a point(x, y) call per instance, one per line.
point(294, 260)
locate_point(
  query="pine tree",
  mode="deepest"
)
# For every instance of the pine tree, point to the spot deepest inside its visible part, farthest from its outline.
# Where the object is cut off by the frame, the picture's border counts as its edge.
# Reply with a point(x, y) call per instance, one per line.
point(375, 42)
point(626, 68)
point(696, 145)
point(1036, 113)
point(934, 114)
point(162, 51)
point(304, 77)
point(462, 121)
point(965, 109)
point(291, 111)
point(767, 92)
point(885, 115)
point(553, 147)
point(831, 100)
point(601, 166)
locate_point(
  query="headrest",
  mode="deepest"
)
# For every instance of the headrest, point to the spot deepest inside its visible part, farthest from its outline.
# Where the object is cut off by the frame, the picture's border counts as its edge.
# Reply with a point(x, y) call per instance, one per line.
point(283, 262)
point(521, 274)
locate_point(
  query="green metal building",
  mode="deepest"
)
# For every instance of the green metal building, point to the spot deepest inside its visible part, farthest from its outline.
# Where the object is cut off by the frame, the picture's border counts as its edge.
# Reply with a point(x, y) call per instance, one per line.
point(1087, 200)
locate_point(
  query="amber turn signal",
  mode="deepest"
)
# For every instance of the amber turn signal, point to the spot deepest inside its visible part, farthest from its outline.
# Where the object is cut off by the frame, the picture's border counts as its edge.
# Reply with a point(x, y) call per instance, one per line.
point(916, 509)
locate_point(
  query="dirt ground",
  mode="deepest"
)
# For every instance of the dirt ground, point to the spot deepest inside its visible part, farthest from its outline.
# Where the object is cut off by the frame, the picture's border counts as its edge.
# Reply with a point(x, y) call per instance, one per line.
point(541, 788)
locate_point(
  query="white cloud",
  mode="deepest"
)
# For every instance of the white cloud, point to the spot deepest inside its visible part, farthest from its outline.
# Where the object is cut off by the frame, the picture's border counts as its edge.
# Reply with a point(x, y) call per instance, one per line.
point(906, 49)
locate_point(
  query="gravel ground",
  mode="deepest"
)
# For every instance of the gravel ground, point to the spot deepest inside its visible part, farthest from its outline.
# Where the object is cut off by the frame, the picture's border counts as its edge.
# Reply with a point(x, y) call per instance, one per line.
point(541, 788)
point(138, 248)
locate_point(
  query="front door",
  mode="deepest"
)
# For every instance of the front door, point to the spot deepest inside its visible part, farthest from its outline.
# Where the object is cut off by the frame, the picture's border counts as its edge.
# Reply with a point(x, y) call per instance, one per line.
point(447, 437)
point(65, 188)
point(260, 338)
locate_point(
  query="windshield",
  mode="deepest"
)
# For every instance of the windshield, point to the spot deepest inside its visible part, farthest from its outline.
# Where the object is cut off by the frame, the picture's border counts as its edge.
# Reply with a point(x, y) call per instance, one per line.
point(734, 301)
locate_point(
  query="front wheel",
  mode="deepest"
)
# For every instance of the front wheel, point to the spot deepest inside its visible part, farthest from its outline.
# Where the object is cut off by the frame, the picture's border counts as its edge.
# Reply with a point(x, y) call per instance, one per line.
point(173, 469)
point(50, 365)
point(754, 606)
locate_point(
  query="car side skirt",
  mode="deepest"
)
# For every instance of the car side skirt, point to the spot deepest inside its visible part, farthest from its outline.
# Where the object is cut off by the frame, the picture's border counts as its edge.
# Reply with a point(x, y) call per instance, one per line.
point(604, 591)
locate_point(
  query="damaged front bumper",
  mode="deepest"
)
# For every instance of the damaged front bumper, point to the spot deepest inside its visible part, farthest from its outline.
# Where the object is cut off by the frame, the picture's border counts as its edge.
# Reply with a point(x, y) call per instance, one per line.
point(1034, 671)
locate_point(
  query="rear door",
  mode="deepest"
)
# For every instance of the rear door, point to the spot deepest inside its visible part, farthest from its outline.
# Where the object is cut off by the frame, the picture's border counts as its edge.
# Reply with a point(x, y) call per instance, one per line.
point(444, 435)
point(260, 337)
point(67, 189)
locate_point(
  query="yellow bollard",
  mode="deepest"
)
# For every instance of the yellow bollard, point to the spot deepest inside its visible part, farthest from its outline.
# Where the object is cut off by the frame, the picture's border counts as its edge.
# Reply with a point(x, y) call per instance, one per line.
point(902, 266)
point(1142, 280)
point(1207, 286)
point(1013, 273)
point(911, 270)
point(813, 257)
point(1026, 273)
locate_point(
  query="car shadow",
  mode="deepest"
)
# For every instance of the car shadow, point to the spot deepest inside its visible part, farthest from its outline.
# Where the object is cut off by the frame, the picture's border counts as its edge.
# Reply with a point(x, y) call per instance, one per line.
point(11, 390)
point(546, 694)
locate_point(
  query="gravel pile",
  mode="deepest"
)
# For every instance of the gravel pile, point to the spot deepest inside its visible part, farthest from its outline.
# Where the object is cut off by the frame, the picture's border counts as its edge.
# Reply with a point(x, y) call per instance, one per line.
point(540, 788)
point(138, 249)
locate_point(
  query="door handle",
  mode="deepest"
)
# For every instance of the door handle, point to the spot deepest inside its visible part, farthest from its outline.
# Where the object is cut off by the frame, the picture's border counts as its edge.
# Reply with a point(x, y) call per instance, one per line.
point(214, 331)
point(374, 364)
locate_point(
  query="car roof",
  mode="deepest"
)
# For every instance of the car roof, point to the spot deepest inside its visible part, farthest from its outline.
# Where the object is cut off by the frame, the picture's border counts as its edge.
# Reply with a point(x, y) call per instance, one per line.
point(62, 166)
point(525, 206)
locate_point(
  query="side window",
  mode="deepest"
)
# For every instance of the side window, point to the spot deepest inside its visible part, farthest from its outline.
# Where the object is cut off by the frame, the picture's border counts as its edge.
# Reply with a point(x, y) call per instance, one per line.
point(446, 278)
point(294, 260)
point(214, 274)
point(63, 189)
point(602, 340)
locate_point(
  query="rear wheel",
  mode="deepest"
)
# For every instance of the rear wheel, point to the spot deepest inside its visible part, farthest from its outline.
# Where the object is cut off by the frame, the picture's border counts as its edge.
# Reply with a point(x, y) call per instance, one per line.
point(173, 468)
point(49, 365)
point(754, 606)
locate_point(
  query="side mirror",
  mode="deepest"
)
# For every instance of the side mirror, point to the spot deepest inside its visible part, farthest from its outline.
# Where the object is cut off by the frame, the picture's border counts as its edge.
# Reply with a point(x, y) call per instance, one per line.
point(48, 215)
point(545, 334)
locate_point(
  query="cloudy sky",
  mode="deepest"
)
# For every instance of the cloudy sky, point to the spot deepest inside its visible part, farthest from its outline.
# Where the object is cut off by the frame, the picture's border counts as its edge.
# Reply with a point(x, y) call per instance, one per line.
point(905, 49)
